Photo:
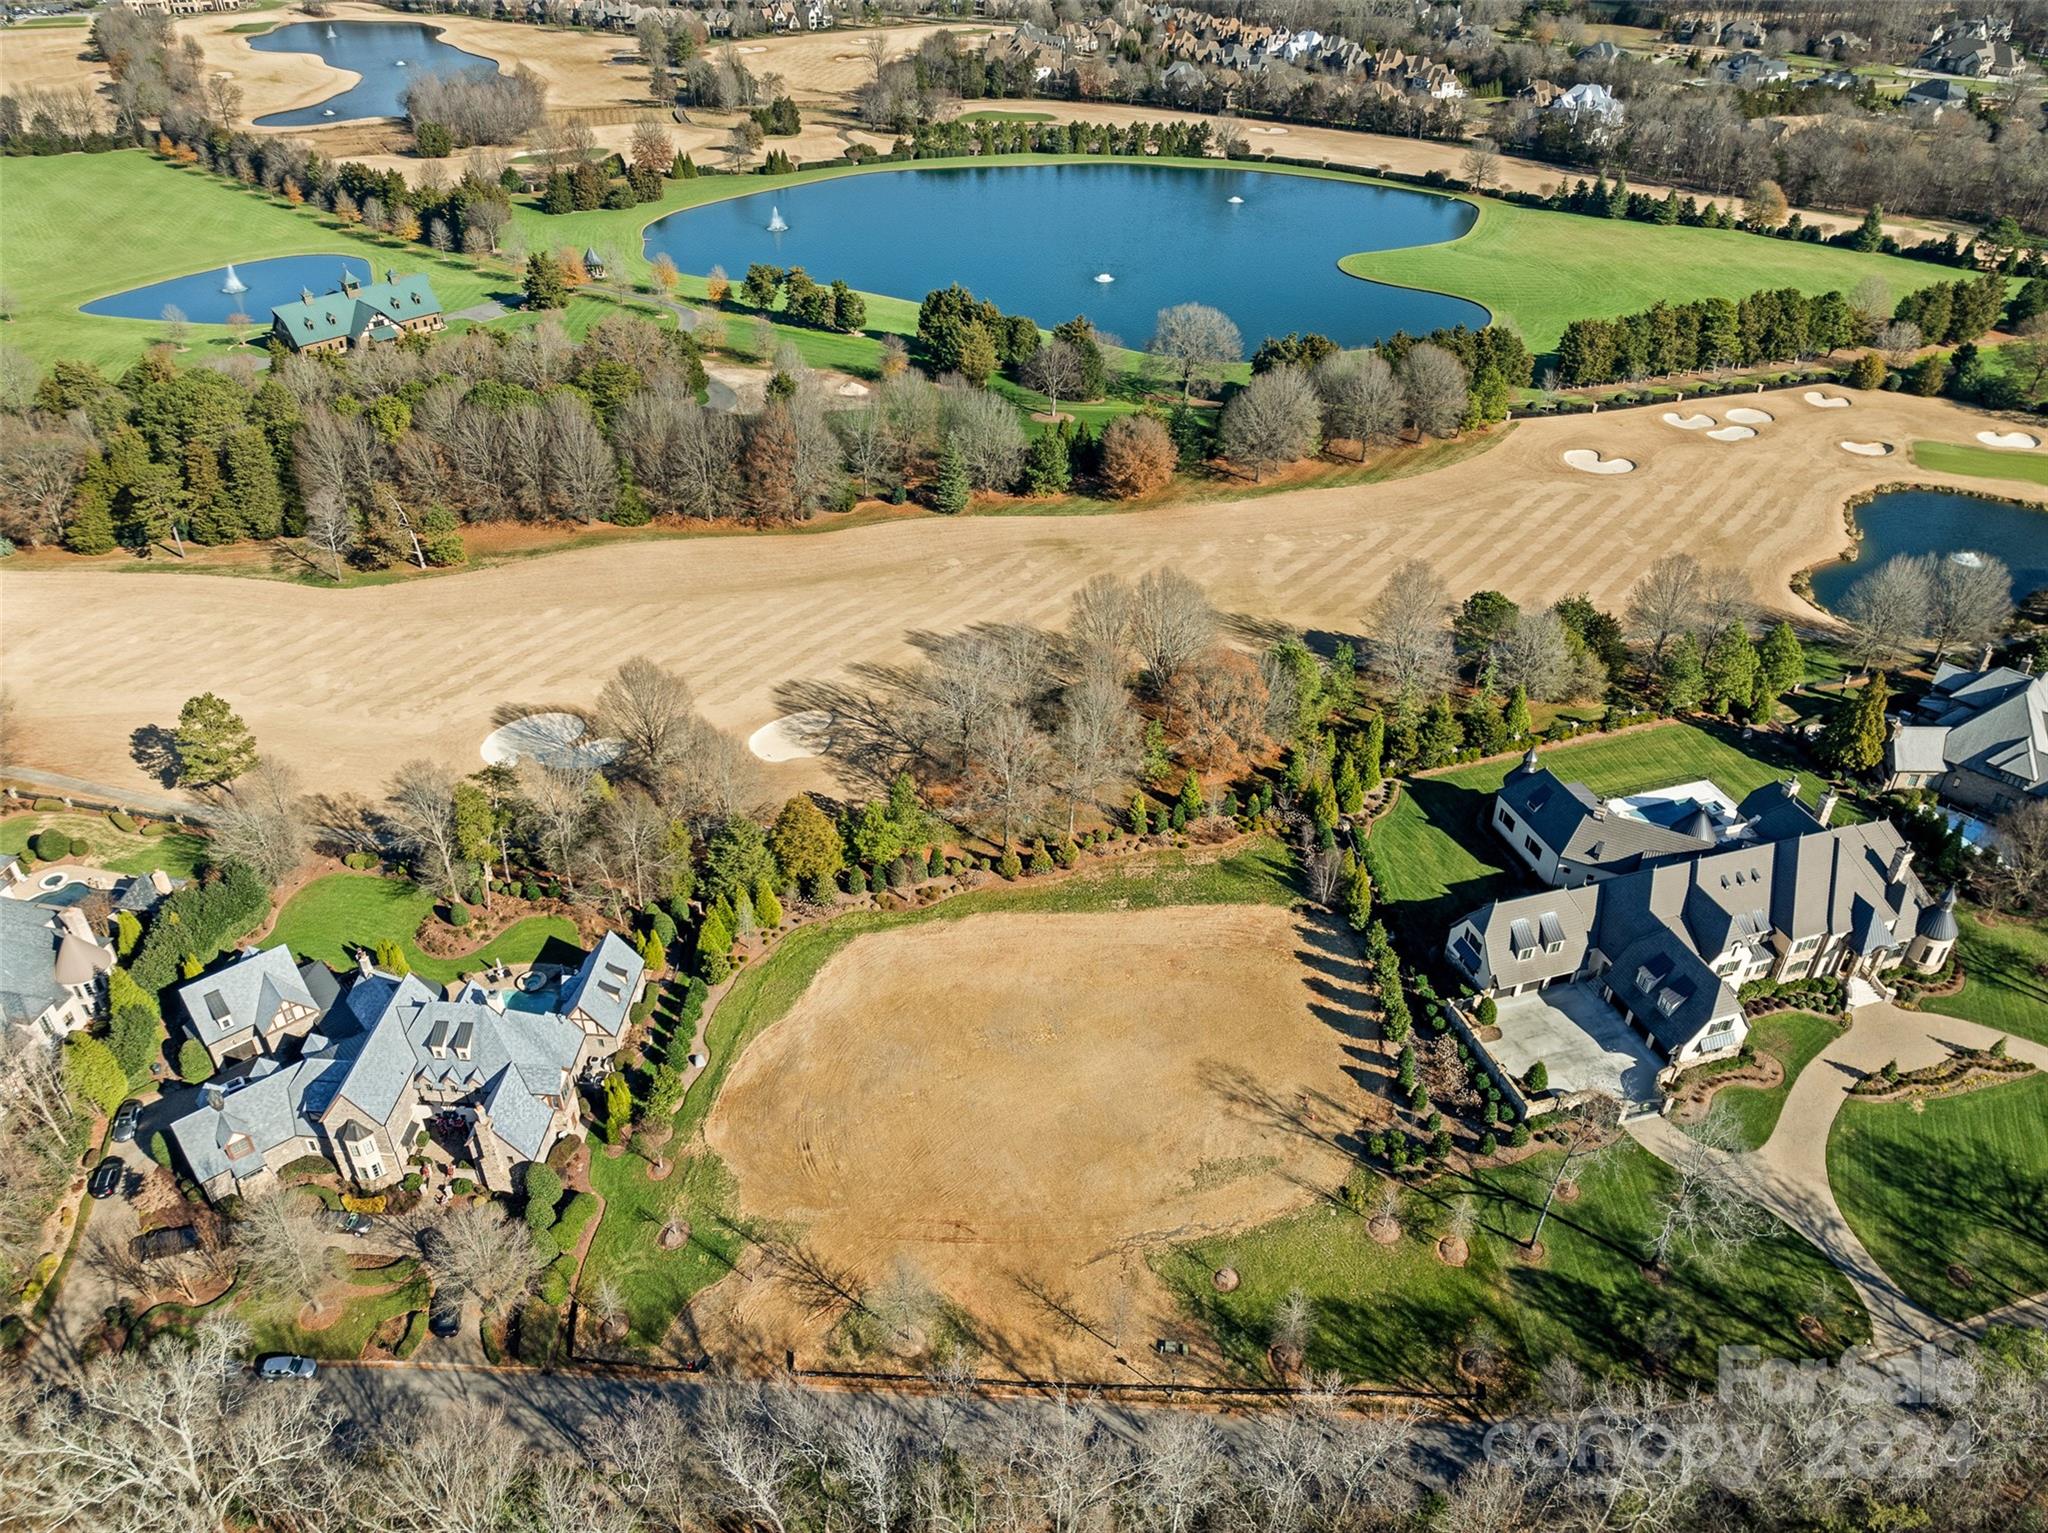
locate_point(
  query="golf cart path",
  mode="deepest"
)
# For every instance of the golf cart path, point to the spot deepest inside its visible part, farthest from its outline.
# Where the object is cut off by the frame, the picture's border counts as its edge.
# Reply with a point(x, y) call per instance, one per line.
point(1789, 1175)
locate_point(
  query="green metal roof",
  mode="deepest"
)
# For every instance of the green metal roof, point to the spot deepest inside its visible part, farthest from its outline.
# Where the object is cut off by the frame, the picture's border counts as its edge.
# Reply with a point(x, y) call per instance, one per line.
point(349, 311)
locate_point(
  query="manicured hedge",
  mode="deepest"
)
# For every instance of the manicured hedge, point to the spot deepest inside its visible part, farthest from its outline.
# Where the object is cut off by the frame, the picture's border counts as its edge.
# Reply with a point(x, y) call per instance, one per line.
point(199, 921)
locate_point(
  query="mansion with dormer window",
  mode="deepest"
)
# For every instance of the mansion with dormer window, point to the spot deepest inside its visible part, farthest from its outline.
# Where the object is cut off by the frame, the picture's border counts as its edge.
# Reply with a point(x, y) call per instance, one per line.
point(358, 313)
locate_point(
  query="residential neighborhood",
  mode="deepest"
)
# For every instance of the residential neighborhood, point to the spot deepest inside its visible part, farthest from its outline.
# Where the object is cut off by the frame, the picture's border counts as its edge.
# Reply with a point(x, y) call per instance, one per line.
point(1115, 767)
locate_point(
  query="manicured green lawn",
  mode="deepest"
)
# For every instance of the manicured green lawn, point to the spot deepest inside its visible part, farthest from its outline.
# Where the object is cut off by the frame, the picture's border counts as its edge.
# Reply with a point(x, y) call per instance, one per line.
point(273, 1325)
point(1963, 1181)
point(1983, 462)
point(657, 1284)
point(1397, 1315)
point(1537, 269)
point(80, 227)
point(2005, 983)
point(177, 854)
point(1435, 855)
point(1795, 1038)
point(332, 916)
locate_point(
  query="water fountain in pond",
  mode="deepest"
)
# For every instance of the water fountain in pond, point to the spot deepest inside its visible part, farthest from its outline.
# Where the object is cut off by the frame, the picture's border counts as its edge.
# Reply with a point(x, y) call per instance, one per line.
point(1237, 199)
point(1103, 276)
point(234, 284)
point(1968, 559)
point(777, 224)
point(330, 34)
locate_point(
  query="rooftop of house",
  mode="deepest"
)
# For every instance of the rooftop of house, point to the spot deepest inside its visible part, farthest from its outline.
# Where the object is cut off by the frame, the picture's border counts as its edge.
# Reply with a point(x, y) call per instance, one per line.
point(1617, 833)
point(1992, 720)
point(247, 994)
point(355, 307)
point(43, 952)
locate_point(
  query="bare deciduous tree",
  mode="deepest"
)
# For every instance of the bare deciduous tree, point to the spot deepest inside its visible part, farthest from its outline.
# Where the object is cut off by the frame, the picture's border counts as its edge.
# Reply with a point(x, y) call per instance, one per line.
point(484, 1253)
point(1171, 623)
point(1537, 656)
point(330, 528)
point(1969, 600)
point(283, 1249)
point(1192, 344)
point(1410, 626)
point(1100, 626)
point(1435, 385)
point(1707, 1211)
point(1057, 371)
point(1361, 401)
point(1096, 744)
point(1665, 603)
point(653, 711)
point(421, 808)
point(1007, 782)
point(1274, 419)
point(1887, 610)
point(262, 821)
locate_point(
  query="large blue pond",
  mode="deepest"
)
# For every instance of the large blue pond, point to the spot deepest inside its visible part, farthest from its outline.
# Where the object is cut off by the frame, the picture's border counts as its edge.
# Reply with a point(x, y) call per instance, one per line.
point(1934, 522)
point(199, 298)
point(1033, 239)
point(385, 53)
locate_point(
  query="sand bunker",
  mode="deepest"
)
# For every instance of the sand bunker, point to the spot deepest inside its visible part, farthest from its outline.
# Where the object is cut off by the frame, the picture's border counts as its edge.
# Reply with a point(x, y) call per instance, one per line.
point(2008, 439)
point(552, 739)
point(1822, 401)
point(1694, 422)
point(1744, 415)
point(793, 737)
point(1866, 449)
point(1586, 461)
point(851, 389)
point(1733, 433)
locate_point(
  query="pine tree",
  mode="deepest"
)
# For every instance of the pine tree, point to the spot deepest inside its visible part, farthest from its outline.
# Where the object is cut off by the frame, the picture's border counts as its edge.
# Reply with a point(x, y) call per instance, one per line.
point(714, 946)
point(1191, 804)
point(952, 490)
point(91, 528)
point(767, 905)
point(252, 486)
point(1370, 753)
point(1440, 736)
point(1854, 738)
point(1141, 822)
point(214, 745)
point(1518, 721)
point(1781, 666)
point(1682, 675)
point(1731, 669)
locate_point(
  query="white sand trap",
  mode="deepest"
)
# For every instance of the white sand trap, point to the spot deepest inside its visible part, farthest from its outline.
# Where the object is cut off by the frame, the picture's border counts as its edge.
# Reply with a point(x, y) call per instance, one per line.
point(553, 739)
point(1586, 461)
point(789, 738)
point(1733, 433)
point(852, 390)
point(2019, 439)
point(1867, 449)
point(1822, 401)
point(1745, 416)
point(1694, 422)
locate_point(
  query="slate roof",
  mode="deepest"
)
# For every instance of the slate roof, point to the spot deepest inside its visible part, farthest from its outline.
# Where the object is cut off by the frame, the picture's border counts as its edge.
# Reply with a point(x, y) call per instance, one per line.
point(246, 994)
point(31, 937)
point(603, 988)
point(1993, 722)
point(1572, 822)
point(353, 307)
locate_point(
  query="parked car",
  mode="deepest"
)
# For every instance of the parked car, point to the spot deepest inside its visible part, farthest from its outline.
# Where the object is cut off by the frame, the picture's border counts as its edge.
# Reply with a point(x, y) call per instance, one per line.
point(170, 1241)
point(444, 1319)
point(125, 1118)
point(349, 1222)
point(285, 1365)
point(105, 1178)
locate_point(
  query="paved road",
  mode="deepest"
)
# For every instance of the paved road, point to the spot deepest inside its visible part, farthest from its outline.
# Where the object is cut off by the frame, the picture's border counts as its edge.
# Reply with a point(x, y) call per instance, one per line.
point(62, 786)
point(1789, 1175)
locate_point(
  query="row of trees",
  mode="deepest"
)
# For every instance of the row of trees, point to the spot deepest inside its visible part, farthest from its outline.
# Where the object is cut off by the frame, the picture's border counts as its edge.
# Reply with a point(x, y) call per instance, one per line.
point(802, 300)
point(180, 1432)
point(1779, 324)
point(456, 109)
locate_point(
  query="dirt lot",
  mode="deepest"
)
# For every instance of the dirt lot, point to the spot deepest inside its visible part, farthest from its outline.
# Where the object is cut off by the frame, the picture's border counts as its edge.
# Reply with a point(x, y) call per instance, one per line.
point(1011, 1108)
point(345, 684)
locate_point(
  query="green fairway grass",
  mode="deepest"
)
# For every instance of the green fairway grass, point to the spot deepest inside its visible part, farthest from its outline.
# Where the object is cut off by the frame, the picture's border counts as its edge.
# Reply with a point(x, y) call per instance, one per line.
point(333, 916)
point(1984, 462)
point(80, 227)
point(1538, 270)
point(2005, 978)
point(1956, 1180)
point(1396, 1315)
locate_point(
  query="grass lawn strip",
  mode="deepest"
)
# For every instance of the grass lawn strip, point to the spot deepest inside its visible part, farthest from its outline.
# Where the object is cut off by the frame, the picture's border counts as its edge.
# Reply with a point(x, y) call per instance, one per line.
point(2005, 985)
point(1795, 1039)
point(1397, 1315)
point(332, 916)
point(178, 854)
point(1982, 462)
point(273, 1323)
point(1950, 1180)
point(656, 1285)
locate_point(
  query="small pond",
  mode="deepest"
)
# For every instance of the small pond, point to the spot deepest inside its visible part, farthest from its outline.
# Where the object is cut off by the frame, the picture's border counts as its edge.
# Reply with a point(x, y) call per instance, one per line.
point(1034, 239)
point(387, 54)
point(1936, 522)
point(201, 297)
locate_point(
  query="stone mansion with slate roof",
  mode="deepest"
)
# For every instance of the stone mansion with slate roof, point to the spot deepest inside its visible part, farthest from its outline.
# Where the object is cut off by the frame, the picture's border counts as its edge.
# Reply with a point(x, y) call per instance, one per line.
point(355, 312)
point(351, 1068)
point(1668, 904)
point(1978, 738)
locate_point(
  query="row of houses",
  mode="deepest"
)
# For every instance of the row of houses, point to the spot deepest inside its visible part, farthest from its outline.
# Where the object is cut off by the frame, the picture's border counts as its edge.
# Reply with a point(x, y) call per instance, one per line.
point(618, 15)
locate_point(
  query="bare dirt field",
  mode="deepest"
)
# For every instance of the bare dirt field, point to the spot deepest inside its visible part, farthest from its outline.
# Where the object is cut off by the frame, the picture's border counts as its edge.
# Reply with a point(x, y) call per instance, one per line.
point(344, 684)
point(1011, 1108)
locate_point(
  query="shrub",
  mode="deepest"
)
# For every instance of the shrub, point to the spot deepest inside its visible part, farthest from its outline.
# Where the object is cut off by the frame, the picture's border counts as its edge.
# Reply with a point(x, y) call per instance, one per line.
point(1041, 860)
point(1538, 1078)
point(458, 914)
point(554, 1283)
point(415, 1333)
point(160, 1150)
point(79, 847)
point(1010, 866)
point(196, 923)
point(121, 822)
point(1488, 1012)
point(92, 1074)
point(574, 1219)
point(362, 862)
point(50, 806)
point(158, 828)
point(1519, 1135)
point(1488, 1145)
point(543, 1192)
point(461, 1186)
point(50, 845)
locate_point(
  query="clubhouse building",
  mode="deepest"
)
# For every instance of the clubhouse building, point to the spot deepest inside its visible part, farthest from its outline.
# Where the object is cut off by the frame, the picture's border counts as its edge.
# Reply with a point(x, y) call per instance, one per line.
point(358, 313)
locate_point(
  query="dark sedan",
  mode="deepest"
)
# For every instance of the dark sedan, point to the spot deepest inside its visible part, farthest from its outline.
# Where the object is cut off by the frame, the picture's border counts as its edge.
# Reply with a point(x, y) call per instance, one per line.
point(106, 1177)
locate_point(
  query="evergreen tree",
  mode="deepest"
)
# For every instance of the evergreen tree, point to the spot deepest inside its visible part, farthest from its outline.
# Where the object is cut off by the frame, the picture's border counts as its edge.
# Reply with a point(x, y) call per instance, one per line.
point(91, 528)
point(1731, 669)
point(1440, 736)
point(1370, 752)
point(214, 745)
point(1781, 666)
point(767, 906)
point(714, 946)
point(1047, 469)
point(1682, 676)
point(1518, 721)
point(252, 484)
point(1854, 738)
point(1141, 821)
point(1191, 805)
point(806, 845)
point(951, 491)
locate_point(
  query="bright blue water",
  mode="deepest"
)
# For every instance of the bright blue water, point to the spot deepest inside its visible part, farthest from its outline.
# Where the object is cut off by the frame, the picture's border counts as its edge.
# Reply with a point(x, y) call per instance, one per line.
point(385, 53)
point(1033, 238)
point(1934, 522)
point(545, 999)
point(199, 298)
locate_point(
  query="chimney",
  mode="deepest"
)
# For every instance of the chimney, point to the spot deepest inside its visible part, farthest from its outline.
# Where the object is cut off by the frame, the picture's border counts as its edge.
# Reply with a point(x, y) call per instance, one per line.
point(1824, 811)
point(1984, 661)
point(216, 1098)
point(1902, 859)
point(363, 965)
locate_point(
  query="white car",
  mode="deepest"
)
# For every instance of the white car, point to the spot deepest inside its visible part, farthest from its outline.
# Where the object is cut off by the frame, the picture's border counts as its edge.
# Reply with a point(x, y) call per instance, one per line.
point(285, 1366)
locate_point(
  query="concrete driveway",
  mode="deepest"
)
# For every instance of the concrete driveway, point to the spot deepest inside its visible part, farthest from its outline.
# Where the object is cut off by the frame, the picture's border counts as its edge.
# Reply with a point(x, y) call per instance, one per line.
point(1582, 1041)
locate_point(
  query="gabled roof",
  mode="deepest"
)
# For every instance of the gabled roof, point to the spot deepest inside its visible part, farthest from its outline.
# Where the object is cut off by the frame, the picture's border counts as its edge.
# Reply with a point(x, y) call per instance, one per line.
point(354, 308)
point(604, 987)
point(1572, 822)
point(246, 994)
point(1992, 721)
point(41, 953)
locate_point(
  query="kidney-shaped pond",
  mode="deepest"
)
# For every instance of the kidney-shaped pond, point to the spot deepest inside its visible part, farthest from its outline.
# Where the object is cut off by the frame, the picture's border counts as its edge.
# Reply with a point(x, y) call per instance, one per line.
point(211, 298)
point(1949, 527)
point(1037, 239)
point(387, 54)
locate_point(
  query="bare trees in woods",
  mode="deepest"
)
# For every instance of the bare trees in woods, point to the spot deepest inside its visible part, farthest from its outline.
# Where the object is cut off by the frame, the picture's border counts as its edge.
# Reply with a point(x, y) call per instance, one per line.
point(480, 105)
point(1434, 383)
point(421, 810)
point(1410, 626)
point(262, 821)
point(1665, 603)
point(1192, 344)
point(689, 766)
point(1171, 623)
